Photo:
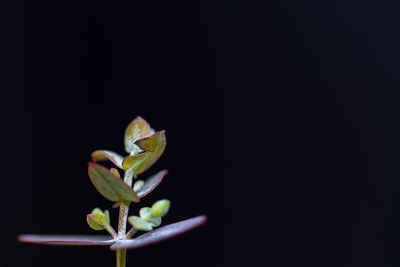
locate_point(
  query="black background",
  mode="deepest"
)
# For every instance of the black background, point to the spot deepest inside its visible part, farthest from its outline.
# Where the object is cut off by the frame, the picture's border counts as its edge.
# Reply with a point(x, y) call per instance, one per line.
point(282, 121)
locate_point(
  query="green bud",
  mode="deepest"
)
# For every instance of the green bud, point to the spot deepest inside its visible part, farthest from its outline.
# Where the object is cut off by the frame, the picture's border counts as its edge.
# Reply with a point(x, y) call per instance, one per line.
point(160, 208)
point(139, 223)
point(138, 185)
point(145, 213)
point(98, 219)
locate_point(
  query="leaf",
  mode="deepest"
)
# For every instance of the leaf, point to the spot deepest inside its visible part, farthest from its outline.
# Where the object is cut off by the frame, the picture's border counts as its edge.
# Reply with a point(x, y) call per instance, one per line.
point(152, 143)
point(101, 155)
point(98, 220)
point(111, 186)
point(67, 239)
point(94, 221)
point(145, 213)
point(155, 221)
point(160, 234)
point(160, 208)
point(135, 161)
point(155, 144)
point(140, 224)
point(151, 183)
point(137, 129)
point(116, 172)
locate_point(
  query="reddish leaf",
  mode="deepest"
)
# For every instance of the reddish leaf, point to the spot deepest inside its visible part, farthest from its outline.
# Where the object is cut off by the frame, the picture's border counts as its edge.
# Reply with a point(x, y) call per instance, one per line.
point(160, 234)
point(155, 144)
point(111, 186)
point(151, 183)
point(67, 239)
point(135, 161)
point(100, 155)
point(137, 129)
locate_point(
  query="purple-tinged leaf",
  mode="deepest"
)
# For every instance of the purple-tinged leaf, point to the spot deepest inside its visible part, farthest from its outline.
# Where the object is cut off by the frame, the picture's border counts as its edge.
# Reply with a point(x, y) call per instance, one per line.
point(101, 155)
point(155, 144)
point(137, 129)
point(111, 186)
point(160, 234)
point(135, 161)
point(151, 183)
point(67, 239)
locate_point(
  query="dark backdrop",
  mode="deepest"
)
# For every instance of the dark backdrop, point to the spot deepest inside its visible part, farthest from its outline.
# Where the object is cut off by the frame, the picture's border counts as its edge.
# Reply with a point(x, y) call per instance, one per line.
point(282, 120)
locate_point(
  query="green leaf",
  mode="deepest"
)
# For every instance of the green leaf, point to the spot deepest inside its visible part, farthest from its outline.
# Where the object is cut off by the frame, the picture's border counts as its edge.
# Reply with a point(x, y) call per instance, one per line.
point(105, 216)
point(145, 213)
point(160, 208)
point(151, 183)
point(111, 186)
point(155, 144)
point(95, 221)
point(139, 223)
point(155, 222)
point(101, 155)
point(135, 161)
point(137, 129)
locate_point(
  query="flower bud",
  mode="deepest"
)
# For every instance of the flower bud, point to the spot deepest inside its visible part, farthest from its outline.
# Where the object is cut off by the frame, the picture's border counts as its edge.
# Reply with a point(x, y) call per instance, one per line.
point(160, 208)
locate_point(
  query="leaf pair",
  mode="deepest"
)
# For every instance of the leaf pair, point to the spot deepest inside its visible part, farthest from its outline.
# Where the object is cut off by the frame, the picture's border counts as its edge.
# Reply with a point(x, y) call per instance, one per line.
point(146, 239)
point(98, 220)
point(113, 187)
point(136, 130)
point(150, 217)
point(143, 144)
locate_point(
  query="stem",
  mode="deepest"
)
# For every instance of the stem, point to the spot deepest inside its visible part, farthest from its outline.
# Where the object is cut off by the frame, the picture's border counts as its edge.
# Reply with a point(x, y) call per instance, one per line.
point(121, 258)
point(123, 217)
point(111, 231)
point(131, 233)
point(122, 220)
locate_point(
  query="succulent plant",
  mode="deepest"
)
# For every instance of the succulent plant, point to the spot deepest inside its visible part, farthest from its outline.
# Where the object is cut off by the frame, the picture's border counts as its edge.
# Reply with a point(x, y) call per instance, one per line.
point(144, 147)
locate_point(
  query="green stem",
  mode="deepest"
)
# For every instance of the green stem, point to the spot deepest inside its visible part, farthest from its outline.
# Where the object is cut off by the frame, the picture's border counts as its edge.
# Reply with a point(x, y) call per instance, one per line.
point(131, 233)
point(111, 231)
point(122, 220)
point(121, 258)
